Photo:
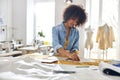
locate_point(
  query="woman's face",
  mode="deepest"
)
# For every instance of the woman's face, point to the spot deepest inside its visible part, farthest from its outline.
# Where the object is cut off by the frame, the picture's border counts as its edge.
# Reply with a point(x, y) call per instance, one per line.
point(72, 22)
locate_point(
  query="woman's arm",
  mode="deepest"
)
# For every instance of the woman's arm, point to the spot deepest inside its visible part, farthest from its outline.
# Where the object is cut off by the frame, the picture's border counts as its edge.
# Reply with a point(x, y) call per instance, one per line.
point(55, 40)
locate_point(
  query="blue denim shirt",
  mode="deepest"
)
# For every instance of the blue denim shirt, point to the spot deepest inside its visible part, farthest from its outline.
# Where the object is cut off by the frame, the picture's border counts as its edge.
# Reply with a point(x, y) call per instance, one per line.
point(59, 38)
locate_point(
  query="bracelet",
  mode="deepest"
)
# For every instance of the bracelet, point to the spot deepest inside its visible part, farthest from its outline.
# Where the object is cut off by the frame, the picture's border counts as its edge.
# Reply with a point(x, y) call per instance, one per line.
point(76, 52)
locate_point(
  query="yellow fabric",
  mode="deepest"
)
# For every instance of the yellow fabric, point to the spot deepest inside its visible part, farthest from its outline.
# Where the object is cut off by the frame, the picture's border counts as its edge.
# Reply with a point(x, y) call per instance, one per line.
point(77, 63)
point(95, 63)
point(65, 44)
point(71, 62)
point(105, 37)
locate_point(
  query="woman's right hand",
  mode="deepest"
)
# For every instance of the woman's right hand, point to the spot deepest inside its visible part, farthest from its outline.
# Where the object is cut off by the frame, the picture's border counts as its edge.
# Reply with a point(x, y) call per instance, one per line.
point(74, 57)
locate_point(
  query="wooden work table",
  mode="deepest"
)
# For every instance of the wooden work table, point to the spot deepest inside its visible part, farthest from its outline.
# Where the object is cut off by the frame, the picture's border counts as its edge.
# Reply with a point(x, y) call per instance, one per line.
point(29, 49)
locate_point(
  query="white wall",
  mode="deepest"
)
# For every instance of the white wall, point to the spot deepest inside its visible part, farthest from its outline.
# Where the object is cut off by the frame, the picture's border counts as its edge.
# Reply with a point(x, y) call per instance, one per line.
point(60, 5)
point(19, 19)
point(30, 22)
point(4, 10)
point(118, 48)
point(23, 20)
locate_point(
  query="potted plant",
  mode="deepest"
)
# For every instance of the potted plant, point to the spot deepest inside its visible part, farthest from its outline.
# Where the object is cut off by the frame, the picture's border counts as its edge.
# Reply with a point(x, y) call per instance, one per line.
point(41, 34)
point(41, 38)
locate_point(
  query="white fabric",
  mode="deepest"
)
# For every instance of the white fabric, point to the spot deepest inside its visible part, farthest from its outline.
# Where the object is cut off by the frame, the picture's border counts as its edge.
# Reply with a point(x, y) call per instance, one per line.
point(23, 68)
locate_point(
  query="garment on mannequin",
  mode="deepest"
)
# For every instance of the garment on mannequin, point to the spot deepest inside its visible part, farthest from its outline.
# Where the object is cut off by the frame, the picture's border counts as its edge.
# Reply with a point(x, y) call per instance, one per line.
point(105, 37)
point(89, 42)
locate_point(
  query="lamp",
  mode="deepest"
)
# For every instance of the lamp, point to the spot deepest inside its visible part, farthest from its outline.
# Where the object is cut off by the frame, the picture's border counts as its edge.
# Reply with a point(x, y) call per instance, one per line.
point(68, 1)
point(3, 27)
point(1, 21)
point(1, 24)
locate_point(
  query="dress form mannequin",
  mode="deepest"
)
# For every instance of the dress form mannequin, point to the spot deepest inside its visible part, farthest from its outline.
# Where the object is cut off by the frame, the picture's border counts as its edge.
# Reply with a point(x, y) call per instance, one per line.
point(105, 38)
point(89, 42)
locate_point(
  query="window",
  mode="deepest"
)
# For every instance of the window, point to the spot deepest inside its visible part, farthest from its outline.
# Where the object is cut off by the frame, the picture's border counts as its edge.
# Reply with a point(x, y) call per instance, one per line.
point(45, 18)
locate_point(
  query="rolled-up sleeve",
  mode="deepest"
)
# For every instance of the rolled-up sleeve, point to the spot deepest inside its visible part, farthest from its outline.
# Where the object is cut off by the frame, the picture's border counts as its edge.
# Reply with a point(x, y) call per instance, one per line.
point(55, 40)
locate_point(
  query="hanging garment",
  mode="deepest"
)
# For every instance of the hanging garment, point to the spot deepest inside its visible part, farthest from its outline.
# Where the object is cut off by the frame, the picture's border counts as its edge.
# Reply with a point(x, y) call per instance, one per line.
point(105, 37)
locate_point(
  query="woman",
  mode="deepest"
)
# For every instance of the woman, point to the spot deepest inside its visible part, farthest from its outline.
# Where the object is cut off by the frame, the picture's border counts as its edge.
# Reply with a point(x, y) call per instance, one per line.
point(65, 36)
